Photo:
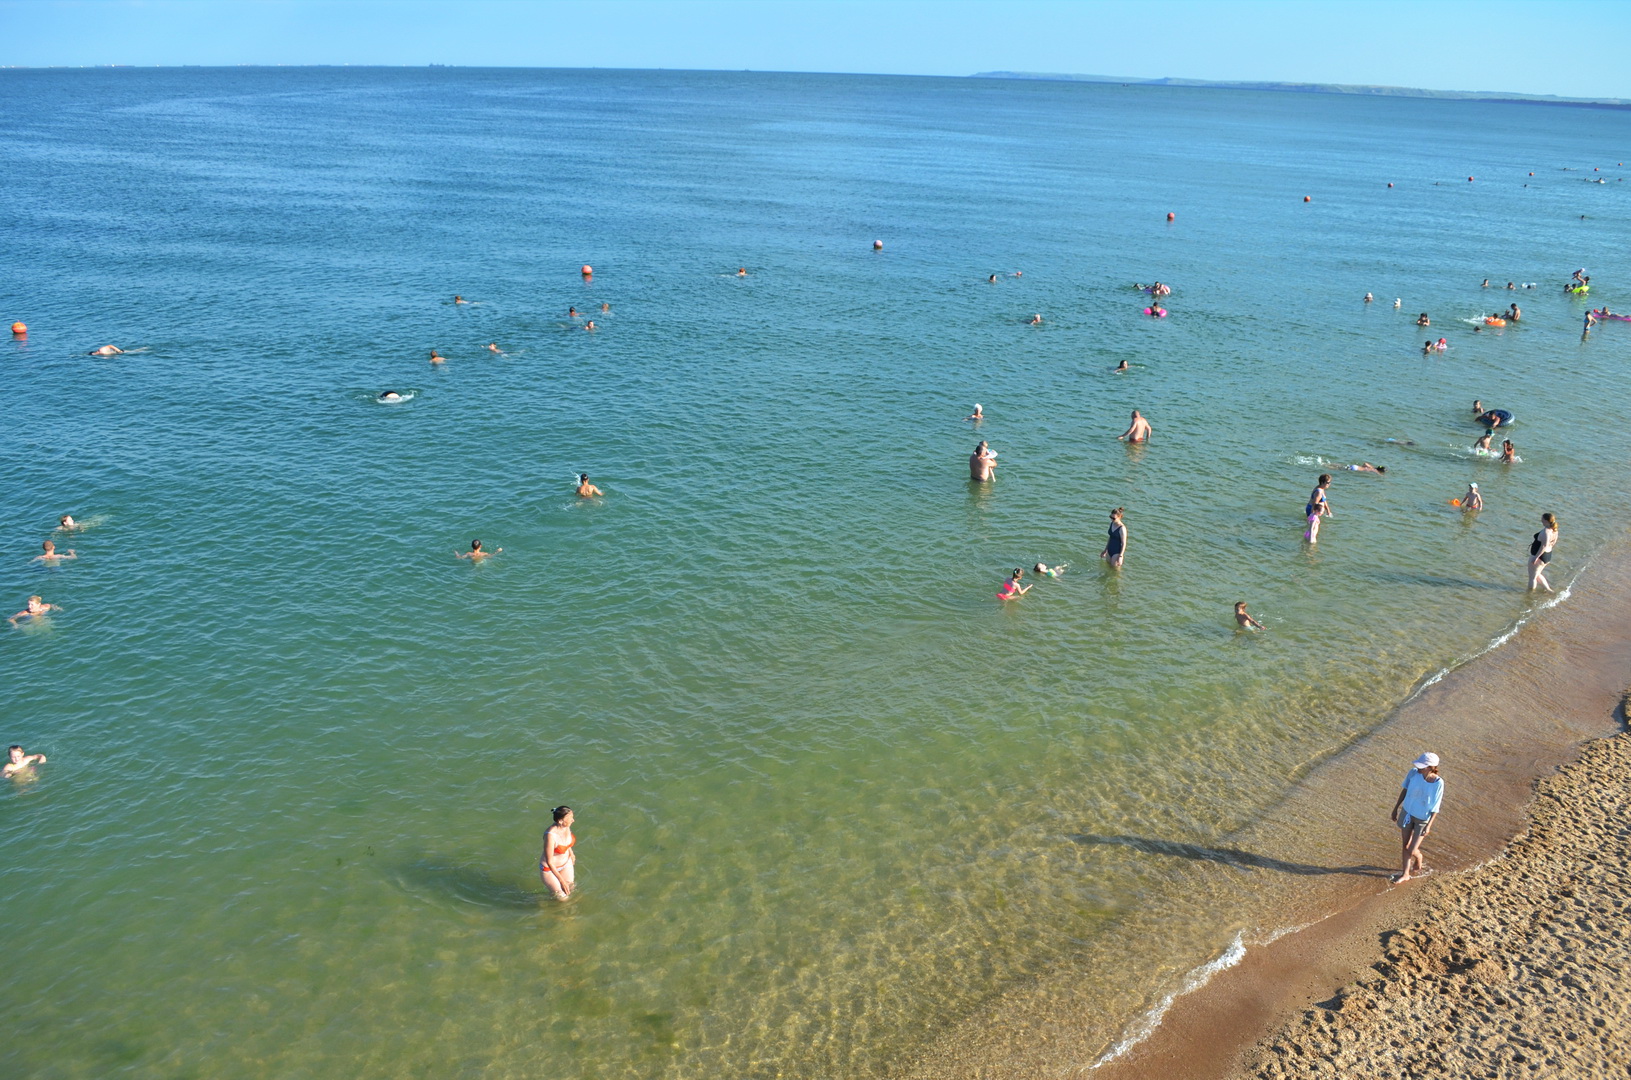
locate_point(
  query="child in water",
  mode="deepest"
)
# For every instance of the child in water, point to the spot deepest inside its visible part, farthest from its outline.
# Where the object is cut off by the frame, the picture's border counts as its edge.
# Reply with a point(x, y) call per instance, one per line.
point(1012, 589)
point(1245, 621)
point(1045, 570)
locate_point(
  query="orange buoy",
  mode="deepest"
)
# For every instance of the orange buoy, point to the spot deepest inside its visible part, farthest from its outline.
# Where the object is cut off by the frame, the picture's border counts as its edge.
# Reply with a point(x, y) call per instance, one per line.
point(1307, 199)
point(587, 270)
point(1171, 216)
point(1455, 502)
point(1469, 179)
point(1390, 185)
point(877, 245)
point(20, 329)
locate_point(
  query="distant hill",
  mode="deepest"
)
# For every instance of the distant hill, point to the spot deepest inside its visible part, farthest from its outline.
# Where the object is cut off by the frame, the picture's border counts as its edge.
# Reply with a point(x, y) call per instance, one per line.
point(1318, 88)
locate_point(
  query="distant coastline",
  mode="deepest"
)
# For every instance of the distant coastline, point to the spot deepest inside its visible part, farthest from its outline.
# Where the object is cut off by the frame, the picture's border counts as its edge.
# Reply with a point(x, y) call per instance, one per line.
point(1318, 88)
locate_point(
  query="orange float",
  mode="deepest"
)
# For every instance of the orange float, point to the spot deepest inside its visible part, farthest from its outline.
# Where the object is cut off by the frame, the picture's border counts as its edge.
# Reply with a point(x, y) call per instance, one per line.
point(587, 270)
point(1171, 216)
point(1307, 199)
point(20, 329)
point(877, 245)
point(1493, 321)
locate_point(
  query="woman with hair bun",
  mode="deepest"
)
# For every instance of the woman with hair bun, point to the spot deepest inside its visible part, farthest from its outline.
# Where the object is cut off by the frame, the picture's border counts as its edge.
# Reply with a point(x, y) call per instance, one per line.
point(557, 865)
point(1540, 552)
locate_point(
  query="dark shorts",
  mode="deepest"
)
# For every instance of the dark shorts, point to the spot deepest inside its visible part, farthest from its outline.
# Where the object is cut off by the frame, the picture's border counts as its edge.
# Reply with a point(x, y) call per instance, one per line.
point(1410, 826)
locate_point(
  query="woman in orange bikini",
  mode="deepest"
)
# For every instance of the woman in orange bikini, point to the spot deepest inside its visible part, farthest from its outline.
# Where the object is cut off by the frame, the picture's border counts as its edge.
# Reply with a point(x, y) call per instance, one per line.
point(556, 865)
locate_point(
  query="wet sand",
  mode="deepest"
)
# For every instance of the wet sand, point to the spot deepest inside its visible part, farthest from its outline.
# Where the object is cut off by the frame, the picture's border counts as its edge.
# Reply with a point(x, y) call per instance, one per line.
point(1321, 860)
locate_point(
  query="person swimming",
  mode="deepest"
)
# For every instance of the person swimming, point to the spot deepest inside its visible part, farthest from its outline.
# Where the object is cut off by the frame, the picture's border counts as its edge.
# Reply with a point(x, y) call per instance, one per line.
point(437, 358)
point(992, 279)
point(1369, 298)
point(585, 488)
point(590, 325)
point(1120, 368)
point(741, 271)
point(67, 524)
point(1509, 453)
point(20, 764)
point(390, 395)
point(1380, 470)
point(1036, 320)
point(604, 308)
point(1423, 320)
point(1044, 570)
point(1482, 445)
point(460, 300)
point(572, 313)
point(1245, 621)
point(1473, 499)
point(492, 346)
point(52, 555)
point(476, 554)
point(977, 415)
point(1398, 302)
point(1012, 589)
point(34, 609)
point(1443, 343)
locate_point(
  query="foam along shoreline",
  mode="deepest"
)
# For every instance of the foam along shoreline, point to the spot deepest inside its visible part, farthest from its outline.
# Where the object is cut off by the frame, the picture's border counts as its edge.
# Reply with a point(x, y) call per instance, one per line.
point(1500, 720)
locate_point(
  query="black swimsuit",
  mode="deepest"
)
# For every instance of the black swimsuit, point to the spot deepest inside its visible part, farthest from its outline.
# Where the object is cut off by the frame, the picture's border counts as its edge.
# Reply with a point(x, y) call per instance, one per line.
point(1117, 542)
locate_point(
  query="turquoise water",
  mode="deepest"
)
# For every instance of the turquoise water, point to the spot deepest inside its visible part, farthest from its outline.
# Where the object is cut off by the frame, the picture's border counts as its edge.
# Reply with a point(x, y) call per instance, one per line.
point(825, 784)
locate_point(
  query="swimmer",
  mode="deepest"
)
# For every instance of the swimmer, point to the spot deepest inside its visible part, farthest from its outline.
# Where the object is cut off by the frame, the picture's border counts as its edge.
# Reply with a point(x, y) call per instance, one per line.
point(557, 866)
point(1472, 500)
point(1379, 470)
point(1121, 368)
point(1510, 285)
point(1423, 320)
point(52, 555)
point(1513, 313)
point(1138, 431)
point(460, 300)
point(1115, 547)
point(1578, 275)
point(1036, 320)
point(1427, 347)
point(586, 490)
point(1397, 303)
point(1491, 418)
point(741, 271)
point(492, 346)
point(475, 554)
point(604, 308)
point(982, 464)
point(1318, 506)
point(33, 610)
point(1509, 453)
point(572, 313)
point(1477, 407)
point(437, 358)
point(1485, 285)
point(1369, 298)
point(1044, 570)
point(1012, 589)
point(992, 279)
point(20, 763)
point(1245, 621)
point(108, 350)
point(590, 325)
point(977, 415)
point(67, 524)
point(1443, 343)
point(390, 395)
point(1482, 445)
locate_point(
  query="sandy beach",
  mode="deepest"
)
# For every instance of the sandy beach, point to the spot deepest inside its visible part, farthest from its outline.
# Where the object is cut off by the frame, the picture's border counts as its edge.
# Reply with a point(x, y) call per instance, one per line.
point(1513, 942)
point(1521, 967)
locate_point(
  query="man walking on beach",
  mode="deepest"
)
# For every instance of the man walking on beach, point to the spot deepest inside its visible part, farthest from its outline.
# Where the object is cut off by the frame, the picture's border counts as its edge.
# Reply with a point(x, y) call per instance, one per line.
point(1414, 811)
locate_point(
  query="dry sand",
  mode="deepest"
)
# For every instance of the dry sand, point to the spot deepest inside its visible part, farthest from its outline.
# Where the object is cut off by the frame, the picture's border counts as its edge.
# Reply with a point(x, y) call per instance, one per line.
point(1518, 968)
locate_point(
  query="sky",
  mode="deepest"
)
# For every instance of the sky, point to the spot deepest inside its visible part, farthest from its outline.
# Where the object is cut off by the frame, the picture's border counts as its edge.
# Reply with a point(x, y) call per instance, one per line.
point(1564, 47)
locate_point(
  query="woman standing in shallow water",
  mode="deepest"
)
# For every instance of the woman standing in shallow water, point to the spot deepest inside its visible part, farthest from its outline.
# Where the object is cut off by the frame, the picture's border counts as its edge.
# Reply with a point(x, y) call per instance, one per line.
point(1115, 547)
point(1540, 552)
point(557, 865)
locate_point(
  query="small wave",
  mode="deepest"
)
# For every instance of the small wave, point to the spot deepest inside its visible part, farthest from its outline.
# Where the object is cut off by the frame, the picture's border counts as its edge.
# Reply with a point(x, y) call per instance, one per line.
point(1493, 644)
point(1145, 1026)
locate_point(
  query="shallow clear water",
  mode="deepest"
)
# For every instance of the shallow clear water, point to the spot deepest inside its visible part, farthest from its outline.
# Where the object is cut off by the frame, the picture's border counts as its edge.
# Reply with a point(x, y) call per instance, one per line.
point(825, 783)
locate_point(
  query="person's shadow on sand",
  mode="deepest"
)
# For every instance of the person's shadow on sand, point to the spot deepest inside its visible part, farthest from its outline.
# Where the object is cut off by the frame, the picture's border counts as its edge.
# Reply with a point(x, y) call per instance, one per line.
point(1229, 856)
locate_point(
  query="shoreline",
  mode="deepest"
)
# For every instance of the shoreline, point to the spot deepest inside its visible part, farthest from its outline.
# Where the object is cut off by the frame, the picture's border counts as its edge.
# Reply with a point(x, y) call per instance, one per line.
point(1503, 720)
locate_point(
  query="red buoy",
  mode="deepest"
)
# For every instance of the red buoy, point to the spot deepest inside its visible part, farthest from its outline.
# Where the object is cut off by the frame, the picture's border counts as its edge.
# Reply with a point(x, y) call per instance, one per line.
point(1469, 179)
point(587, 270)
point(877, 245)
point(1171, 216)
point(20, 329)
point(1390, 185)
point(1307, 199)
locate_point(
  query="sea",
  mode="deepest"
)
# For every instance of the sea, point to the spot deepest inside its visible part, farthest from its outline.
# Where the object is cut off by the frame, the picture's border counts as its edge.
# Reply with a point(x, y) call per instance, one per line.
point(832, 796)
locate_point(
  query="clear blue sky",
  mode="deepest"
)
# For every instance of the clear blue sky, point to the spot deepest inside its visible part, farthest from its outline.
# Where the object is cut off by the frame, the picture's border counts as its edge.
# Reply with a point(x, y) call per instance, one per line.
point(1551, 46)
